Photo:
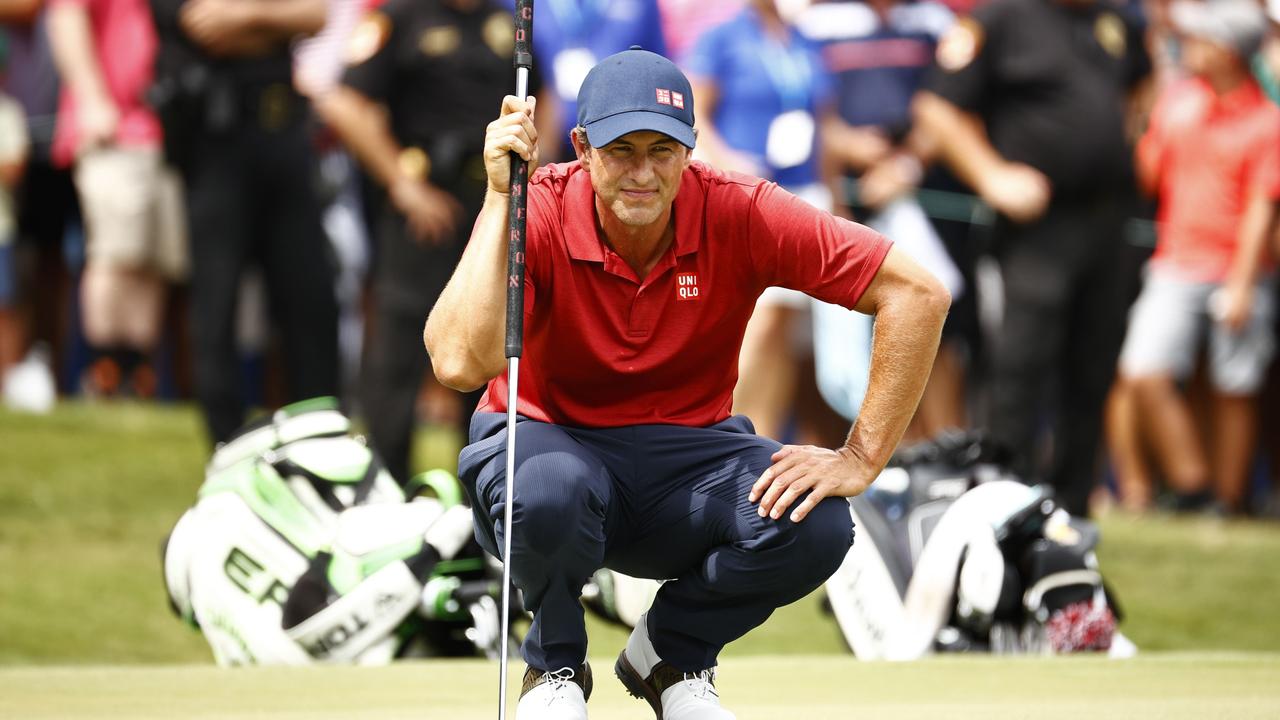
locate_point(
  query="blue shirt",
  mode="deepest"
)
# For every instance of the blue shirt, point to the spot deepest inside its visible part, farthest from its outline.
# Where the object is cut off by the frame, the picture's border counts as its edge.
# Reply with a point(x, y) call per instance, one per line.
point(876, 63)
point(757, 79)
point(600, 27)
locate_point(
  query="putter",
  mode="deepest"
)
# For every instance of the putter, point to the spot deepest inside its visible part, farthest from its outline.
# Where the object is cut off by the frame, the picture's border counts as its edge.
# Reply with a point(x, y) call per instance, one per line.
point(523, 60)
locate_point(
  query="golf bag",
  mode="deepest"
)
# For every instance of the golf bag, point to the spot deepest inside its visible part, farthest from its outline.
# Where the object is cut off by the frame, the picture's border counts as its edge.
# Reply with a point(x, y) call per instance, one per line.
point(301, 548)
point(953, 554)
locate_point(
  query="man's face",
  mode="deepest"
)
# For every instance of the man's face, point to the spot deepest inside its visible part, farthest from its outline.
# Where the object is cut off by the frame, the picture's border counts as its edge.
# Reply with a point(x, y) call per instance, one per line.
point(636, 176)
point(1205, 58)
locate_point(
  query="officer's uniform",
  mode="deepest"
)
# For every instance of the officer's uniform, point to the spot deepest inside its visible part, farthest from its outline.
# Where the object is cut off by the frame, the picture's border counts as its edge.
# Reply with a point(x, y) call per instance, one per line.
point(1049, 79)
point(442, 73)
point(239, 134)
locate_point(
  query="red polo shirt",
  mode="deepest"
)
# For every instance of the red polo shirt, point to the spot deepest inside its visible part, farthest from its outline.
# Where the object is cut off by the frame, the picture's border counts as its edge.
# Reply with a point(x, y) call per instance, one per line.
point(603, 348)
point(1212, 154)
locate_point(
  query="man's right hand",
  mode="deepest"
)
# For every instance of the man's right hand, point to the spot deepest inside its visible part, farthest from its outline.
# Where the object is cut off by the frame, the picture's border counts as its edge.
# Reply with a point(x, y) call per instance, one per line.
point(98, 119)
point(1017, 191)
point(513, 131)
point(432, 213)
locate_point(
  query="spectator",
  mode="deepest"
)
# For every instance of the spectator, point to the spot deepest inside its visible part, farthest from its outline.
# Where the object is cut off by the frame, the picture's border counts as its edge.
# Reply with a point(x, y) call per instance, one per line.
point(130, 199)
point(877, 53)
point(45, 204)
point(424, 80)
point(236, 127)
point(762, 88)
point(1027, 104)
point(1211, 271)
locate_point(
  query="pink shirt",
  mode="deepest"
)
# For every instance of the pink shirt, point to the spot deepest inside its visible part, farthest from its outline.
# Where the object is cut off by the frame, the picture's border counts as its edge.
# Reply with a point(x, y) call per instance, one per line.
point(1210, 155)
point(125, 42)
point(604, 348)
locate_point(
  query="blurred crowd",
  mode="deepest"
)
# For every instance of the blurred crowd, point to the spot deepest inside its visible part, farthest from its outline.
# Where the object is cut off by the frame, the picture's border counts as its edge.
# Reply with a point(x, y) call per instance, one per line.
point(250, 202)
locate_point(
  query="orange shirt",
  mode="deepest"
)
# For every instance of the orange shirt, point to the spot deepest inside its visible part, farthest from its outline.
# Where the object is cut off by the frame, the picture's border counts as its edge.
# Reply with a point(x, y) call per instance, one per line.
point(1209, 154)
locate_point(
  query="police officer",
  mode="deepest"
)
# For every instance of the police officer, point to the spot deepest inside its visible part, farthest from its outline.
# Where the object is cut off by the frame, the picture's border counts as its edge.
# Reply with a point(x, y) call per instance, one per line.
point(438, 68)
point(236, 128)
point(1027, 102)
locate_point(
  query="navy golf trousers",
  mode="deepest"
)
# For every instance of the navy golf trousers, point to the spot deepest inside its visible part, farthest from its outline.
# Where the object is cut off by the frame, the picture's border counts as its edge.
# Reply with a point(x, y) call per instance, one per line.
point(651, 501)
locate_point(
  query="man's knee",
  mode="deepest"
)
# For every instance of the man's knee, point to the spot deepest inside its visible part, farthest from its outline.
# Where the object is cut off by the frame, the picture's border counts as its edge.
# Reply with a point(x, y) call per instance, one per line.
point(822, 540)
point(557, 507)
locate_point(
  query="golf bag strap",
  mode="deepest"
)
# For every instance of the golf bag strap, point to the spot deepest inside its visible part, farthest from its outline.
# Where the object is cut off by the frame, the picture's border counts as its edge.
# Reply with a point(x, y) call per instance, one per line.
point(1035, 594)
point(352, 623)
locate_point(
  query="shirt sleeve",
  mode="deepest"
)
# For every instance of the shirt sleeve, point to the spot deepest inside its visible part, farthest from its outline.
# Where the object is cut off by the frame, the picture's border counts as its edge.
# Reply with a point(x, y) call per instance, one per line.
point(372, 51)
point(963, 70)
point(794, 245)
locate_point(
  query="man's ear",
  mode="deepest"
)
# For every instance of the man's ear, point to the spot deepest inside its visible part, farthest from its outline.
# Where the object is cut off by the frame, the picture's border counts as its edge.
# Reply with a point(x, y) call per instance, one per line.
point(581, 149)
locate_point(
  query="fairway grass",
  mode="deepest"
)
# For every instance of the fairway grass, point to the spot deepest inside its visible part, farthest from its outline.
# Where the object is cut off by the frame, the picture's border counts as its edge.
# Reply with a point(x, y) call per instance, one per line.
point(761, 688)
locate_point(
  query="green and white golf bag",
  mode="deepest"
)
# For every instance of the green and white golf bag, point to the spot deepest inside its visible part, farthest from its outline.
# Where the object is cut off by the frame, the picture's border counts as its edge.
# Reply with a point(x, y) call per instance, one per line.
point(301, 548)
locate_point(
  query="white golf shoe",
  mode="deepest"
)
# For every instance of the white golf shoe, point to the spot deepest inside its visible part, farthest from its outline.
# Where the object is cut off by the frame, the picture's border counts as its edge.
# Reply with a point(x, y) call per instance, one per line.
point(673, 695)
point(555, 694)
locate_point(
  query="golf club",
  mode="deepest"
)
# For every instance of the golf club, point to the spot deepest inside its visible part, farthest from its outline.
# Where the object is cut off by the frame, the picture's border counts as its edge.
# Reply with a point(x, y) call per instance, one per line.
point(523, 59)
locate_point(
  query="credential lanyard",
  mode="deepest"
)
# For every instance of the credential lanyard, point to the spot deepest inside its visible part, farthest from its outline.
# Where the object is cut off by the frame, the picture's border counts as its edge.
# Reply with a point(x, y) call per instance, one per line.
point(788, 69)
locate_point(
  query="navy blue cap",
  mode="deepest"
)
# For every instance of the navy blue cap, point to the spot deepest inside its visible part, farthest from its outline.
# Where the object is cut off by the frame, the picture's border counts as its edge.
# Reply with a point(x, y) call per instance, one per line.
point(635, 90)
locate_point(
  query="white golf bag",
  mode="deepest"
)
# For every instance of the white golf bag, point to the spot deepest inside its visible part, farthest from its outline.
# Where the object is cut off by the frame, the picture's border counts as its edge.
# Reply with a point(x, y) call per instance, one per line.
point(301, 548)
point(952, 554)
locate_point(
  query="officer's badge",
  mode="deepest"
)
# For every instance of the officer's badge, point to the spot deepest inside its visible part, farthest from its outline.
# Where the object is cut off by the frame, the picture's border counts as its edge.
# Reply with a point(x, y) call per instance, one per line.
point(500, 34)
point(414, 163)
point(368, 37)
point(437, 41)
point(960, 45)
point(1110, 32)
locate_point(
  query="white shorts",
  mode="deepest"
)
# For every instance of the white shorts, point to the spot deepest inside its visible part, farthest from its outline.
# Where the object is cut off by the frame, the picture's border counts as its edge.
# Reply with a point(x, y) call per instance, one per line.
point(1167, 326)
point(133, 211)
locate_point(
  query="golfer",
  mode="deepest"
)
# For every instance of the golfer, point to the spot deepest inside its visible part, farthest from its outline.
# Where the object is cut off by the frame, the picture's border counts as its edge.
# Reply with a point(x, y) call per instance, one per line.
point(642, 270)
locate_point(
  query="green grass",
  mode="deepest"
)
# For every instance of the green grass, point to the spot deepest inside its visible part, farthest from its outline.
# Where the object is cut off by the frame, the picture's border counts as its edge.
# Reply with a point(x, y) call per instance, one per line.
point(87, 493)
point(761, 688)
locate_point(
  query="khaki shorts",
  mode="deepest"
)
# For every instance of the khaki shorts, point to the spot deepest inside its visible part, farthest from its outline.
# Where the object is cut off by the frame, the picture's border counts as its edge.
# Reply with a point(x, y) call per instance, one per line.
point(1172, 320)
point(133, 211)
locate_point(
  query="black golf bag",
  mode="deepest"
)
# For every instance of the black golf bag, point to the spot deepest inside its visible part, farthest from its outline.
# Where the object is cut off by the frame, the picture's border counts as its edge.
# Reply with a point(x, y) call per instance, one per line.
point(954, 555)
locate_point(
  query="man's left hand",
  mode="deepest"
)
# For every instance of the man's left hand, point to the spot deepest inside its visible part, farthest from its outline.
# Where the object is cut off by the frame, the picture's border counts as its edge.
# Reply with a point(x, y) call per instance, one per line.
point(798, 469)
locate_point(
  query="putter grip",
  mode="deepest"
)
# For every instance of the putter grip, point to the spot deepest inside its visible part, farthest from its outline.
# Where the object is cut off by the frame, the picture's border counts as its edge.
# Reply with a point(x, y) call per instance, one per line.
point(523, 60)
point(515, 256)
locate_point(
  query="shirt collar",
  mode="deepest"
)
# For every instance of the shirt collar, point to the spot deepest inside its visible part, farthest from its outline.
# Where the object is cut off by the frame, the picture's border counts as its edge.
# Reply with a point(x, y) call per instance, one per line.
point(1243, 97)
point(580, 218)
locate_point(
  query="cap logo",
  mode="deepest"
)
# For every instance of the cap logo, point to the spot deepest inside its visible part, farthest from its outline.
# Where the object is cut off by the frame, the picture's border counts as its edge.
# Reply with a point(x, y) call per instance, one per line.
point(664, 96)
point(670, 97)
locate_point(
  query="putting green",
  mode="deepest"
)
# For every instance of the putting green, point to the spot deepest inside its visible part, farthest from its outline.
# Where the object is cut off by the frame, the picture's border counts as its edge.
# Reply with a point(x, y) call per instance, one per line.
point(759, 688)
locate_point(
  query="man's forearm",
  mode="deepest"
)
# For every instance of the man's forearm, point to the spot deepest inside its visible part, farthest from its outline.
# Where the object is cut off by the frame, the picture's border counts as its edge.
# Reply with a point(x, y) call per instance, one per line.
point(466, 332)
point(958, 137)
point(907, 331)
point(1255, 229)
point(288, 18)
point(73, 52)
point(362, 125)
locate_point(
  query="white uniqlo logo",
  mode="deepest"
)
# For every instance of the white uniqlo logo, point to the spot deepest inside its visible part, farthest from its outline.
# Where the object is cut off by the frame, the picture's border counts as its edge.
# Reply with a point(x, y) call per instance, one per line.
point(677, 100)
point(664, 97)
point(687, 286)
